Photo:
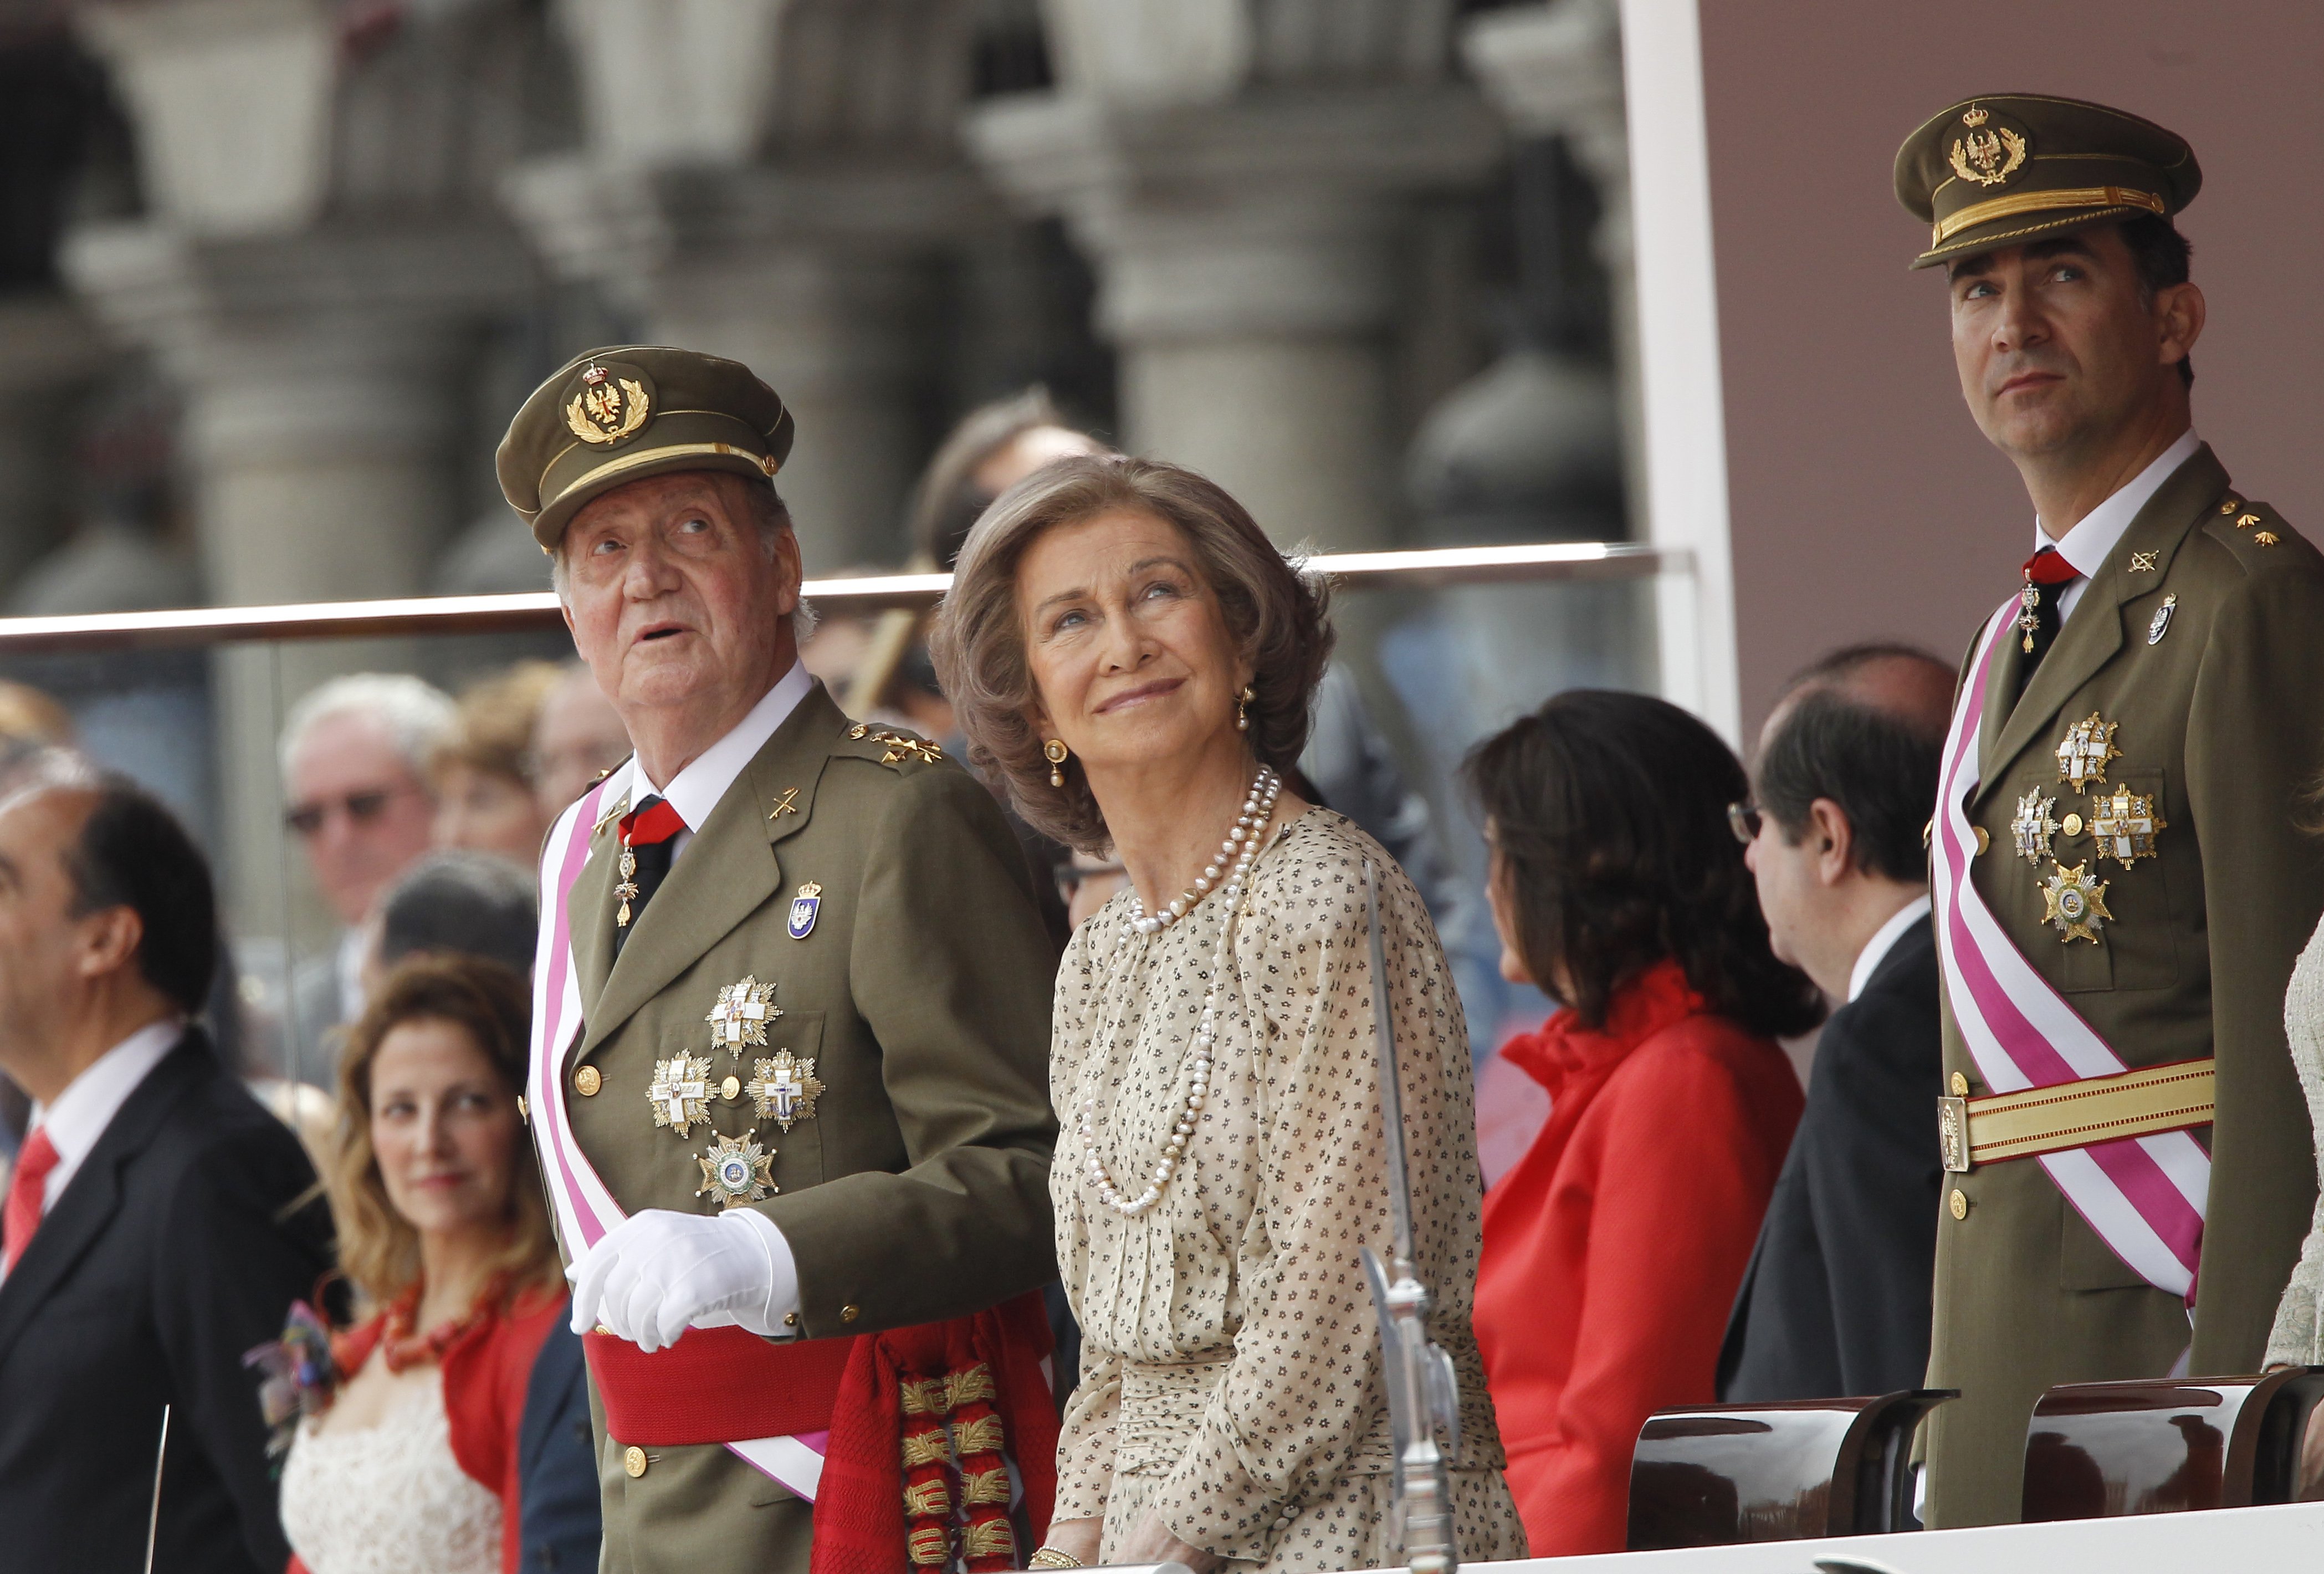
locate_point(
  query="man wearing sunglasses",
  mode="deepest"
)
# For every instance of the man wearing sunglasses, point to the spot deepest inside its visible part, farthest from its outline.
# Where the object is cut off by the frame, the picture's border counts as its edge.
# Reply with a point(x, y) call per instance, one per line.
point(356, 801)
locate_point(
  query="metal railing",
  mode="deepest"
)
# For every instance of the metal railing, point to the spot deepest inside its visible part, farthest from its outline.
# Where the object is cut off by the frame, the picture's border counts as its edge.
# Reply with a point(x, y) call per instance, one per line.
point(536, 611)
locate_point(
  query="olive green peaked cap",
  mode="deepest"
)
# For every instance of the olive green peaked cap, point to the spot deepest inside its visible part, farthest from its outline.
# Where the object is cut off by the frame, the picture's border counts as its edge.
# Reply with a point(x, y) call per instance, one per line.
point(2012, 167)
point(628, 411)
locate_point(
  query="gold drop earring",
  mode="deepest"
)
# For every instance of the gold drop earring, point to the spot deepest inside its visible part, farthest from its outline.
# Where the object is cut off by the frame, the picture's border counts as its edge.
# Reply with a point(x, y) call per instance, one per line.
point(1054, 751)
point(1242, 709)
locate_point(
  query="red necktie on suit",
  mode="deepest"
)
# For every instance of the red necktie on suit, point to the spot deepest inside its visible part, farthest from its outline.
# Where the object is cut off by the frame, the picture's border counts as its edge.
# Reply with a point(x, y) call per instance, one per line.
point(27, 1187)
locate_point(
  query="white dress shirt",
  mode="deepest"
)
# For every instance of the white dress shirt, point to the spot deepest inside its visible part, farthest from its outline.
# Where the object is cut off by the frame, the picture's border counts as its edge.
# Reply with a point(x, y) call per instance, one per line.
point(695, 792)
point(1883, 942)
point(78, 1116)
point(2094, 536)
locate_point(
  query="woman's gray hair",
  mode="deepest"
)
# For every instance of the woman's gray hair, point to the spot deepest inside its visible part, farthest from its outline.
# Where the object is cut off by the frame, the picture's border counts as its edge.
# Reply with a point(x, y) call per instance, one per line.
point(1276, 613)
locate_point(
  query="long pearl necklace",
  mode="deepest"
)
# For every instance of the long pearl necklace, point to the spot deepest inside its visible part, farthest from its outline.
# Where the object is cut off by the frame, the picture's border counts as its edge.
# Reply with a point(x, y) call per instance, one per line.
point(1241, 846)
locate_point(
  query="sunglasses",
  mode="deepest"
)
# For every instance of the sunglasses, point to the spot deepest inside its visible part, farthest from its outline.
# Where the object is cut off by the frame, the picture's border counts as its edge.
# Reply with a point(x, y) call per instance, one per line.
point(1070, 876)
point(1743, 820)
point(361, 809)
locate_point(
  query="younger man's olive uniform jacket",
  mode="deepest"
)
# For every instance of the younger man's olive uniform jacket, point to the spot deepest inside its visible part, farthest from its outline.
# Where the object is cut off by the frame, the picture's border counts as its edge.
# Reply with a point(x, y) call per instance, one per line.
point(2219, 703)
point(918, 1187)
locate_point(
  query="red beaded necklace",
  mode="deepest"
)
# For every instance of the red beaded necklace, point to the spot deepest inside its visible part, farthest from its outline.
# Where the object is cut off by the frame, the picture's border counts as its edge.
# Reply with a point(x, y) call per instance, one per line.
point(401, 1348)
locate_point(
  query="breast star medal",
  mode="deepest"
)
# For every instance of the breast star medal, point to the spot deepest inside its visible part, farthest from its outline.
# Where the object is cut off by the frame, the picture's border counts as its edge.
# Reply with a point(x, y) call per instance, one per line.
point(681, 1092)
point(2033, 828)
point(784, 1089)
point(742, 1014)
point(804, 907)
point(2125, 826)
point(736, 1171)
point(2084, 751)
point(2075, 903)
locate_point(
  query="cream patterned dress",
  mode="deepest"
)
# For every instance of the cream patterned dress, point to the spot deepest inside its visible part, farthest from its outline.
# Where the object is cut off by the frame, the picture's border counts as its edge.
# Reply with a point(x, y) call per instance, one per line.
point(2298, 1340)
point(1231, 1364)
point(390, 1498)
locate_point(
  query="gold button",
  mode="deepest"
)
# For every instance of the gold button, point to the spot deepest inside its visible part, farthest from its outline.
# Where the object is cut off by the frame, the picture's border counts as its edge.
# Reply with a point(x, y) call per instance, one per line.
point(850, 1313)
point(633, 1459)
point(2071, 825)
point(1961, 1086)
point(790, 1319)
point(603, 1331)
point(730, 1089)
point(1983, 841)
point(1959, 1203)
point(585, 1082)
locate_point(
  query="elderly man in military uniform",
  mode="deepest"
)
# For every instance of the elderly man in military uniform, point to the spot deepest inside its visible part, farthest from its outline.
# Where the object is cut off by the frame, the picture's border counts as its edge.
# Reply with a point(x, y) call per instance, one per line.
point(2120, 883)
point(790, 1074)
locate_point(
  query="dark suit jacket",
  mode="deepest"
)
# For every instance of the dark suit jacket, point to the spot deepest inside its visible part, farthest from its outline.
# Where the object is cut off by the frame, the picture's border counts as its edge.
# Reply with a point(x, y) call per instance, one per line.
point(1836, 1299)
point(557, 1460)
point(175, 1248)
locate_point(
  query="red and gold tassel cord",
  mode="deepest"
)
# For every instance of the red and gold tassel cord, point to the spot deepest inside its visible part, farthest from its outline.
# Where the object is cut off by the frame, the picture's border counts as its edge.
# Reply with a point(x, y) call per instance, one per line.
point(927, 1475)
point(988, 1541)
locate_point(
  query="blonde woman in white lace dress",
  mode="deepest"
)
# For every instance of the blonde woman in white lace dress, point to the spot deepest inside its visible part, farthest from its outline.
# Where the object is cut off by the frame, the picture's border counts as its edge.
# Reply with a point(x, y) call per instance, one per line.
point(1136, 661)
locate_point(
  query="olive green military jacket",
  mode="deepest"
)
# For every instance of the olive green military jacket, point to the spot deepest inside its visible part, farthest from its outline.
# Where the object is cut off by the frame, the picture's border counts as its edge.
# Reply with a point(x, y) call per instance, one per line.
point(2202, 639)
point(917, 1187)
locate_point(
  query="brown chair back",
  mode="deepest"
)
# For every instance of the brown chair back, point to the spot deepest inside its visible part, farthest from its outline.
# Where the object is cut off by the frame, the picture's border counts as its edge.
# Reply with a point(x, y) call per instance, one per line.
point(2094, 1450)
point(1776, 1472)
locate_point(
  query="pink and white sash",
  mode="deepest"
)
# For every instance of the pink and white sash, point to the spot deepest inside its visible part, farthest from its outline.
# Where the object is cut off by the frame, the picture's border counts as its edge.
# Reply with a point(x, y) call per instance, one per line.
point(2143, 1196)
point(586, 1209)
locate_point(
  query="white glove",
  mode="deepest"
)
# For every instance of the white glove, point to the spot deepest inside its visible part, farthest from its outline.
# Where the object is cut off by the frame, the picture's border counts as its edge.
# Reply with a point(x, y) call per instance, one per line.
point(659, 1272)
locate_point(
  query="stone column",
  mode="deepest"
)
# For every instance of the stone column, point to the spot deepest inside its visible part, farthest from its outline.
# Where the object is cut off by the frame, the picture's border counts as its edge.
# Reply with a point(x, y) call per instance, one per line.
point(53, 355)
point(1239, 169)
point(783, 204)
point(311, 276)
point(1556, 71)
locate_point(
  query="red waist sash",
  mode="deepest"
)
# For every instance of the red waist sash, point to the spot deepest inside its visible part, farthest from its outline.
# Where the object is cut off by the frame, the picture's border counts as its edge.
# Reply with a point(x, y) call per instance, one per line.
point(715, 1386)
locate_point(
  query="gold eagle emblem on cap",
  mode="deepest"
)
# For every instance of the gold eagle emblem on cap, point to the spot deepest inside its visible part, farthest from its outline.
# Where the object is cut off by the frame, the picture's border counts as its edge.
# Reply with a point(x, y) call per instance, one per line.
point(608, 408)
point(1986, 156)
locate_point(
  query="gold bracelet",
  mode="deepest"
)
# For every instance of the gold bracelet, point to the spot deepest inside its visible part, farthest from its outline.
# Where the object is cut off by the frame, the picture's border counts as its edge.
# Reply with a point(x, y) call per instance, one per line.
point(1050, 1557)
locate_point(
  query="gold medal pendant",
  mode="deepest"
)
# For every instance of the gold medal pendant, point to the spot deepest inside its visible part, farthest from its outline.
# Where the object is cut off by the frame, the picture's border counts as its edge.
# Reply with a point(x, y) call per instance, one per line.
point(680, 1093)
point(2034, 828)
point(2124, 825)
point(2075, 903)
point(742, 1014)
point(627, 890)
point(784, 1089)
point(2085, 750)
point(736, 1171)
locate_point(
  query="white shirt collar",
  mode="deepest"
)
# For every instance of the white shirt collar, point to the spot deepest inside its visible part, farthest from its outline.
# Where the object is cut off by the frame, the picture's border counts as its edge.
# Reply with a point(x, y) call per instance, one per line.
point(696, 790)
point(1883, 942)
point(79, 1114)
point(2093, 537)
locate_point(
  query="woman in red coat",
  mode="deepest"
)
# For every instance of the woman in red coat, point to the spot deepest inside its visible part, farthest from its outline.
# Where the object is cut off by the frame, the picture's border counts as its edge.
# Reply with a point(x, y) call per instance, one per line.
point(1612, 1250)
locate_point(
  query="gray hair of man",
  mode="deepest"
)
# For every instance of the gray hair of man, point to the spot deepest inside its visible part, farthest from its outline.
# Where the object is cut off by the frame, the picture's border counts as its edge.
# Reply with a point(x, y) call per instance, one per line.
point(417, 715)
point(767, 510)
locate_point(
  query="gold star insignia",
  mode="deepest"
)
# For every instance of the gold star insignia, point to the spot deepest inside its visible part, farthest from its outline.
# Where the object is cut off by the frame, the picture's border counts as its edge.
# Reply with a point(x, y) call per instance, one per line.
point(742, 1014)
point(2266, 537)
point(2075, 903)
point(784, 1089)
point(736, 1171)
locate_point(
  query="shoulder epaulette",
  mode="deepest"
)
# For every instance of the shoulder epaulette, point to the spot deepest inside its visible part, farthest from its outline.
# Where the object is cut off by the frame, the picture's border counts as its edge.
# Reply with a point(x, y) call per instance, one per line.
point(895, 747)
point(2253, 530)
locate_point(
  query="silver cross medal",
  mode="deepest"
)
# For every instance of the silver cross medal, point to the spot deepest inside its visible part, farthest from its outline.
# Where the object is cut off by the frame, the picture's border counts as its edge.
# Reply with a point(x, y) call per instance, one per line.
point(742, 1014)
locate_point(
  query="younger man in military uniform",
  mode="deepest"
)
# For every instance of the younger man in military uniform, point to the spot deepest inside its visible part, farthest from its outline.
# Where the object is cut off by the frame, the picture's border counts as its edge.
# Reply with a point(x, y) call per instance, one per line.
point(790, 1075)
point(2119, 879)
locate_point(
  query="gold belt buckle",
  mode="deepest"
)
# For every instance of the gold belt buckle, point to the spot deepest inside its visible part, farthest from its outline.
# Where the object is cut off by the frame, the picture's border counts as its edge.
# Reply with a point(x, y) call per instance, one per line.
point(1953, 1133)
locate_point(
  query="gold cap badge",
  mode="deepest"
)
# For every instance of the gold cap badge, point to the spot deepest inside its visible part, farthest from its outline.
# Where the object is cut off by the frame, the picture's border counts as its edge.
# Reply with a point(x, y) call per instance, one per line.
point(609, 407)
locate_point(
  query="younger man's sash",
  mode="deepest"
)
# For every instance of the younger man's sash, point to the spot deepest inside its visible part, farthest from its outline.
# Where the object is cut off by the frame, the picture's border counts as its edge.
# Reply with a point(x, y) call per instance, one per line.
point(2142, 1195)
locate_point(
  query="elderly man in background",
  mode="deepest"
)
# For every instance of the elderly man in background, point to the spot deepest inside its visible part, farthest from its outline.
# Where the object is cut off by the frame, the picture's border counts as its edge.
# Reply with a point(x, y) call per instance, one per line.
point(836, 913)
point(1836, 1299)
point(355, 755)
point(159, 1223)
point(577, 738)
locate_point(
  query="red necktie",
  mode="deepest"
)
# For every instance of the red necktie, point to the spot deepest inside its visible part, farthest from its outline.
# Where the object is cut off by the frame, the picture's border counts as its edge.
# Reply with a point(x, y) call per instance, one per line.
point(653, 822)
point(27, 1187)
